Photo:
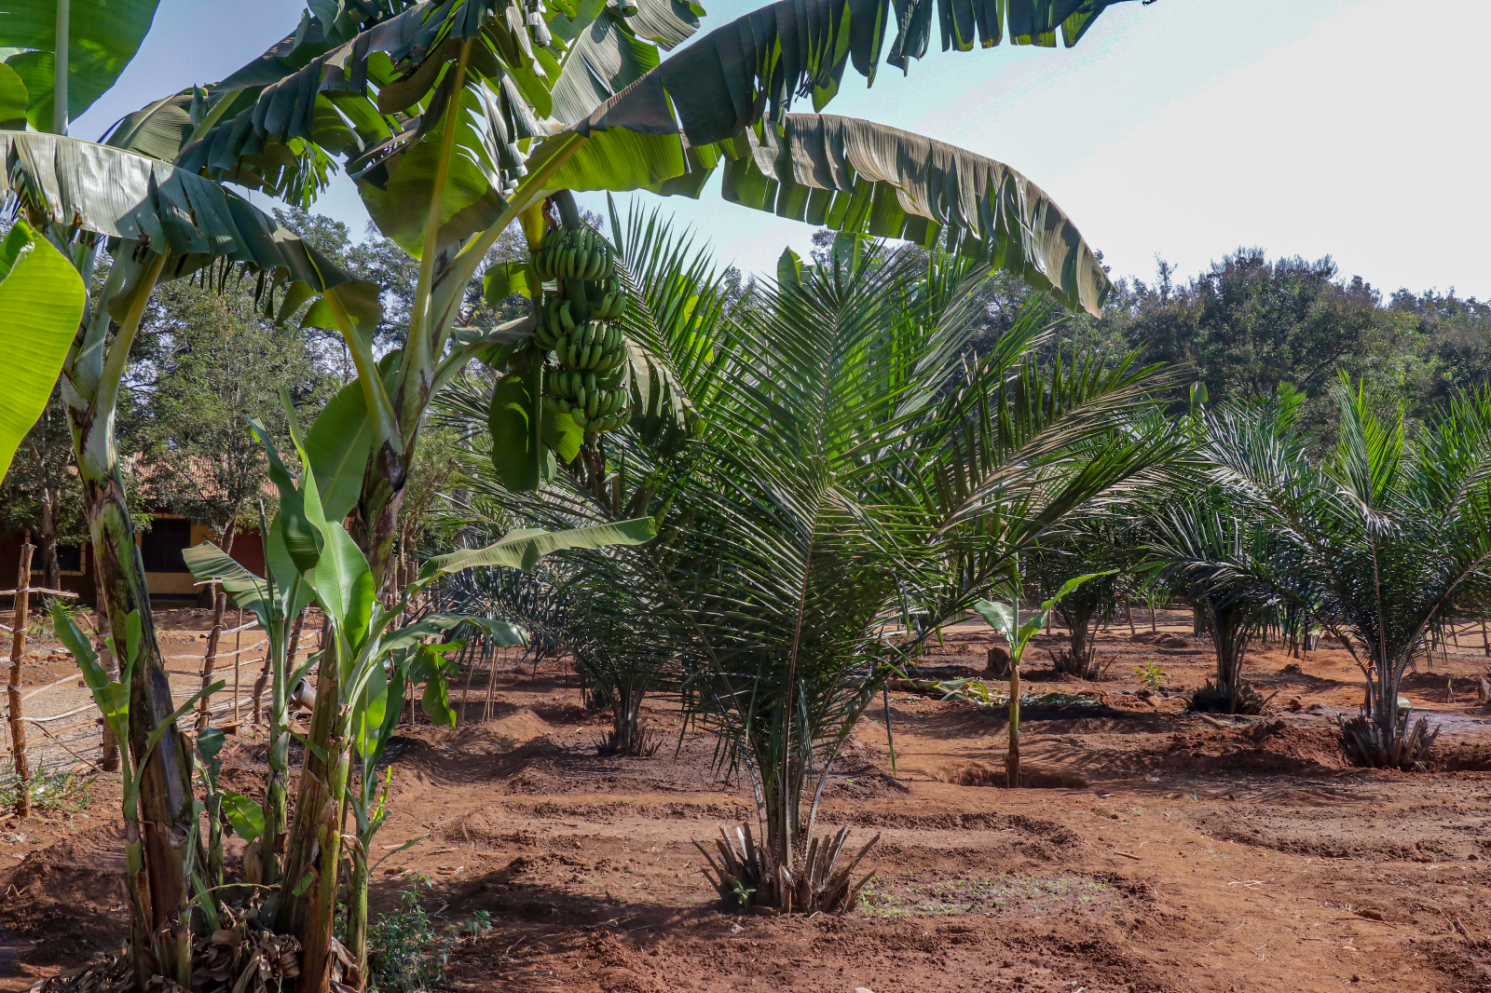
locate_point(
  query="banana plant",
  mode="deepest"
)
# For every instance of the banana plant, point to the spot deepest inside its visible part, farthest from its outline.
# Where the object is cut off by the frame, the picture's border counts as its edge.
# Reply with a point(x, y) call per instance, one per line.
point(275, 605)
point(1004, 618)
point(310, 551)
point(168, 948)
point(158, 222)
point(407, 659)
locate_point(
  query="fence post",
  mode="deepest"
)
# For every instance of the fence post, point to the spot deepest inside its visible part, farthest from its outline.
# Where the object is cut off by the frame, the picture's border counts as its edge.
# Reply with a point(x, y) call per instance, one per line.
point(209, 659)
point(13, 689)
point(237, 662)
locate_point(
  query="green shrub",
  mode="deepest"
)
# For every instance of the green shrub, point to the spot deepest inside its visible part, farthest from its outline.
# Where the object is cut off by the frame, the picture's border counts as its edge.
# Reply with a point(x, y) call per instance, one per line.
point(408, 950)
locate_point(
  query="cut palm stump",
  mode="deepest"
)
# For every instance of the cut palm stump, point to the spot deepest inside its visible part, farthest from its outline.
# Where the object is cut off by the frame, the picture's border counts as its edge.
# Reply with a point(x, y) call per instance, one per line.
point(745, 875)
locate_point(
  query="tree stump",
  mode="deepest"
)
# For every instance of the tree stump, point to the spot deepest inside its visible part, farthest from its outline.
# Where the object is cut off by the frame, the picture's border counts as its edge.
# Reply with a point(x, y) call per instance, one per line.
point(998, 666)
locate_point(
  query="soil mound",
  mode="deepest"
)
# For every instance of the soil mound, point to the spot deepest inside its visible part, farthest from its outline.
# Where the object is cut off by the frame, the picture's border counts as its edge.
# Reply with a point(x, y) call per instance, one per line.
point(72, 888)
point(1275, 747)
point(1032, 777)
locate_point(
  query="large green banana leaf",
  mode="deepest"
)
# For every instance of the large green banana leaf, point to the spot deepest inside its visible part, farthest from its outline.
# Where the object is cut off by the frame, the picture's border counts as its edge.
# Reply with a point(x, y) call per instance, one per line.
point(723, 82)
point(521, 548)
point(41, 303)
point(858, 176)
point(104, 36)
point(855, 176)
point(118, 194)
point(378, 99)
point(605, 53)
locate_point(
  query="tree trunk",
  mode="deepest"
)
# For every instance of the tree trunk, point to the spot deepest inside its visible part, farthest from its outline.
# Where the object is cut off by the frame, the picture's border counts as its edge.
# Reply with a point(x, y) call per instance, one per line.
point(51, 568)
point(209, 658)
point(19, 620)
point(1012, 759)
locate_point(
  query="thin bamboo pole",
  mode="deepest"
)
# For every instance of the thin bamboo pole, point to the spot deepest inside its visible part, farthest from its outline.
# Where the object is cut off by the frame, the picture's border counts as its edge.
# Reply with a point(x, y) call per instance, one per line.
point(471, 657)
point(237, 649)
point(13, 688)
point(486, 713)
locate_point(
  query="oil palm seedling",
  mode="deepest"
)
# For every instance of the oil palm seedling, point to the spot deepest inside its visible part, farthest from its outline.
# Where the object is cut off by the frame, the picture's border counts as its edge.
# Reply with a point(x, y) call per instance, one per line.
point(858, 468)
point(1101, 546)
point(1393, 533)
point(1231, 569)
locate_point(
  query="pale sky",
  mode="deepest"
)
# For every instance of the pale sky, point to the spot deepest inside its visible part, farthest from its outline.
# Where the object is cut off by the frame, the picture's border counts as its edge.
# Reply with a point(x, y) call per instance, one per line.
point(1184, 129)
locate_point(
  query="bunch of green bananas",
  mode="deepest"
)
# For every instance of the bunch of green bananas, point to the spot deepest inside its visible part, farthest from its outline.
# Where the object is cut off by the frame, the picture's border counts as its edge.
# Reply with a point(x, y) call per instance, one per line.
point(586, 398)
point(554, 322)
point(591, 347)
point(558, 316)
point(567, 254)
point(612, 303)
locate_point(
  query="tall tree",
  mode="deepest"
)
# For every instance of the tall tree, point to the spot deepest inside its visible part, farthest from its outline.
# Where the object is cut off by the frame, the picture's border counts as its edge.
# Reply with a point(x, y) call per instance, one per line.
point(41, 492)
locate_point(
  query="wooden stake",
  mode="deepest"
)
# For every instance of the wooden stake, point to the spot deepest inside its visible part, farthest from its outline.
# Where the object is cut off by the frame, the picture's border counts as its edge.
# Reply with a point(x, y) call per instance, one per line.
point(13, 689)
point(471, 656)
point(209, 659)
point(486, 713)
point(237, 662)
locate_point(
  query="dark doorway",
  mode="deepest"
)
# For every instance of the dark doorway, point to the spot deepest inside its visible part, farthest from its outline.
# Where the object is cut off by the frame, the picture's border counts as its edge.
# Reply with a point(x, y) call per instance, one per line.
point(162, 545)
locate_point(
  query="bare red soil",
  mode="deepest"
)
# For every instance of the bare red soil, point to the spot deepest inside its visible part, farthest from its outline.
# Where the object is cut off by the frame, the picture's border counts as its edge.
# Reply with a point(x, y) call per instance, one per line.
point(1154, 852)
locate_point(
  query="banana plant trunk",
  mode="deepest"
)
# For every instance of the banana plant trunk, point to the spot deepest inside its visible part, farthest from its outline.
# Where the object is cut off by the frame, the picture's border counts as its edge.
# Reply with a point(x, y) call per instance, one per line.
point(308, 898)
point(165, 780)
point(281, 660)
point(357, 904)
point(91, 384)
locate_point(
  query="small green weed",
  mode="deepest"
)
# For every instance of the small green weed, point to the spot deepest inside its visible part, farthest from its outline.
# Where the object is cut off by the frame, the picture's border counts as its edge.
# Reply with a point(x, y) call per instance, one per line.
point(408, 950)
point(53, 791)
point(1151, 675)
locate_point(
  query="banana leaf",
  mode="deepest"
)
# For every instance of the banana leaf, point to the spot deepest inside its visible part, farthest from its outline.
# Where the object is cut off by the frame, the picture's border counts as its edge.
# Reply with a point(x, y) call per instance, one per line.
point(859, 177)
point(103, 37)
point(194, 221)
point(41, 303)
point(521, 548)
point(378, 99)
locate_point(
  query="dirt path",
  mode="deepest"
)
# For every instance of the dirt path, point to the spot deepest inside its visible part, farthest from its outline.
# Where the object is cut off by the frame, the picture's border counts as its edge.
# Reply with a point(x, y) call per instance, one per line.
point(1165, 854)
